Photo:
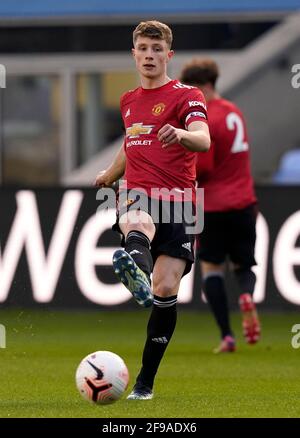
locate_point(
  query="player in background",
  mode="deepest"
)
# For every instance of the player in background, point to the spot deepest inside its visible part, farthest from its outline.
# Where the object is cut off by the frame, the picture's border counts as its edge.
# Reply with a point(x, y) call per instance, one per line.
point(230, 206)
point(165, 124)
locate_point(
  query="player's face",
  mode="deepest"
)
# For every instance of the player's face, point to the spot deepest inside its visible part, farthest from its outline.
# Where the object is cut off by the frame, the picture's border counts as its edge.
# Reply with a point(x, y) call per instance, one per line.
point(151, 56)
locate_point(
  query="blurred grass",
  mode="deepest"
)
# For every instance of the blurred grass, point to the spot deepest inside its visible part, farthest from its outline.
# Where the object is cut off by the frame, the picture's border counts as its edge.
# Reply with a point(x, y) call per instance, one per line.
point(44, 348)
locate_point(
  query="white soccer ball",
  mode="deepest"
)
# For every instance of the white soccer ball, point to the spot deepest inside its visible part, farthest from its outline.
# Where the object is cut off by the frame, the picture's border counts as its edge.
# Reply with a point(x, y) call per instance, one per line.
point(102, 377)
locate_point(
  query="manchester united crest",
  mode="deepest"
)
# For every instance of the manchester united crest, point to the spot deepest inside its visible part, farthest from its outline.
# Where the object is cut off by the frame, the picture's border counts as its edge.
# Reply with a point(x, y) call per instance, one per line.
point(158, 109)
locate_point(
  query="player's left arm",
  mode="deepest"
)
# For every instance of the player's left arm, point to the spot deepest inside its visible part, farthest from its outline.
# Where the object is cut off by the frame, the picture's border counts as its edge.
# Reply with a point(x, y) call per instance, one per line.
point(196, 138)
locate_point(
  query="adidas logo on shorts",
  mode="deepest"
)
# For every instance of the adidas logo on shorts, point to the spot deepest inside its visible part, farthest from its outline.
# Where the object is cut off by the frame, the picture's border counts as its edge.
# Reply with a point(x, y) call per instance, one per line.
point(187, 246)
point(135, 251)
point(162, 340)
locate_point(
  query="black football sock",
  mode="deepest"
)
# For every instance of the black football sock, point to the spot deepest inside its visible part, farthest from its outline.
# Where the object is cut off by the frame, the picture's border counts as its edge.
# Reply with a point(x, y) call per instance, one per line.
point(246, 280)
point(215, 293)
point(137, 245)
point(160, 329)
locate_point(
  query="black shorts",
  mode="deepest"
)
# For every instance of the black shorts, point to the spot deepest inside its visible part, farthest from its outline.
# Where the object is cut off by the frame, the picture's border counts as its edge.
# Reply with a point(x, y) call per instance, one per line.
point(231, 233)
point(170, 237)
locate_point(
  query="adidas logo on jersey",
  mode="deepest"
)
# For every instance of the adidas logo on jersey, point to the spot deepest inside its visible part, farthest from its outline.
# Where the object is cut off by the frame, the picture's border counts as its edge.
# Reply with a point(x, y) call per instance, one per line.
point(162, 340)
point(180, 85)
point(187, 246)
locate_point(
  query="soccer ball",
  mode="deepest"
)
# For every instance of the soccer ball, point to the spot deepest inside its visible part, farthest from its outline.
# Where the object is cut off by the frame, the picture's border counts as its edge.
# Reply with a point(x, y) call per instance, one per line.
point(102, 377)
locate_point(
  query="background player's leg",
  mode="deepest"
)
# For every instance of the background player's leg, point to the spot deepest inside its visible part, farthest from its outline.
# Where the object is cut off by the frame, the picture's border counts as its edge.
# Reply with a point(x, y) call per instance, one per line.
point(251, 325)
point(245, 278)
point(242, 254)
point(166, 279)
point(215, 292)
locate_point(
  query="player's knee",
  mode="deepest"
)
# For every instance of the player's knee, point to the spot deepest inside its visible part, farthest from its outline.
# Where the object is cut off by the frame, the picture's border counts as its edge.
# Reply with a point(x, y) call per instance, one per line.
point(164, 289)
point(146, 228)
point(136, 220)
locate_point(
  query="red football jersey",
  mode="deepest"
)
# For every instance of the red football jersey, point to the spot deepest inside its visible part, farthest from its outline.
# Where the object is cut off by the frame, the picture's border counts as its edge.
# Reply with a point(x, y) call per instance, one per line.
point(145, 112)
point(224, 171)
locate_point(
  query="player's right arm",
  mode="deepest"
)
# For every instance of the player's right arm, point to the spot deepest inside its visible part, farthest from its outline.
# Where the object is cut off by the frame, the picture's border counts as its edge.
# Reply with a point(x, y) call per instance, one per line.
point(115, 171)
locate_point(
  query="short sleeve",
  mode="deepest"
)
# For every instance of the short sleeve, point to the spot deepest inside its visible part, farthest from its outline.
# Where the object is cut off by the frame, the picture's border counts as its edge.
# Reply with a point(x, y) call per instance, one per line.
point(192, 107)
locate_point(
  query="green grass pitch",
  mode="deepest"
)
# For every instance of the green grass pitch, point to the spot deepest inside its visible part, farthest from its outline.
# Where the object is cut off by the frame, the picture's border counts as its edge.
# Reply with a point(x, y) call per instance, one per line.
point(44, 348)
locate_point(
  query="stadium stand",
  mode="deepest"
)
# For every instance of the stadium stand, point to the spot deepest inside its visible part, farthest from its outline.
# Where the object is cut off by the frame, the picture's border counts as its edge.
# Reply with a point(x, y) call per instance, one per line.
point(289, 168)
point(250, 76)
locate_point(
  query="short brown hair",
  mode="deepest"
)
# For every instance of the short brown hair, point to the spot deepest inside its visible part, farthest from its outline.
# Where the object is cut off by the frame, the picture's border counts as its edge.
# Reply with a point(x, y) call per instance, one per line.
point(153, 29)
point(200, 71)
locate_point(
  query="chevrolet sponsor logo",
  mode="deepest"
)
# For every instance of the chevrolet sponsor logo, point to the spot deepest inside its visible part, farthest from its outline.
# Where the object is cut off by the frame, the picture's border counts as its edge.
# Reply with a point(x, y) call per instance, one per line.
point(137, 129)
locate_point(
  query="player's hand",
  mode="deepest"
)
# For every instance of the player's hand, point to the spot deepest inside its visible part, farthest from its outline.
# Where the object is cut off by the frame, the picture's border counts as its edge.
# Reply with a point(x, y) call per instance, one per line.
point(102, 180)
point(168, 135)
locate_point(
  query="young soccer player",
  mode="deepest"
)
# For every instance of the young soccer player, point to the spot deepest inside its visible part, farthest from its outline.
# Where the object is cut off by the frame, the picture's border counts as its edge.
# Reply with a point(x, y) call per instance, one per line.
point(166, 125)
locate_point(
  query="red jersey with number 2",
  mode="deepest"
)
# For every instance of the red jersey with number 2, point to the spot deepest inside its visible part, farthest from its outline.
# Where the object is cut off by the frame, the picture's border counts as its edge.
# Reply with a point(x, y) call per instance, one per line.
point(224, 171)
